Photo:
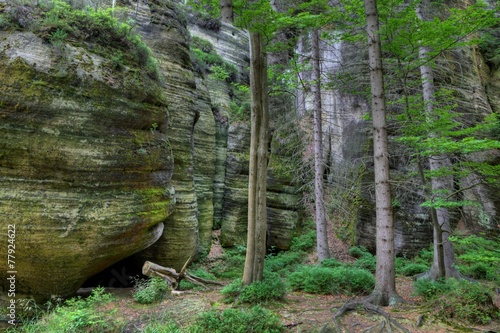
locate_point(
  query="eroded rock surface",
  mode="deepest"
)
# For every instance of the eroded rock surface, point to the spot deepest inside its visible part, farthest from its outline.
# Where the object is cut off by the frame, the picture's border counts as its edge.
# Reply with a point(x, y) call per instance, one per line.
point(85, 176)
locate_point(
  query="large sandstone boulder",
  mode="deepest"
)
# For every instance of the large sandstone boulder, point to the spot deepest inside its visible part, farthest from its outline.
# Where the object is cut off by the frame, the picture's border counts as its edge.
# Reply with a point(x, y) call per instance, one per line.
point(85, 162)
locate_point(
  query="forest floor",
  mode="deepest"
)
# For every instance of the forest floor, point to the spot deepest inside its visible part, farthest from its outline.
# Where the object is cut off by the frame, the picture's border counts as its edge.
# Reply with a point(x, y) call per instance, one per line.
point(300, 312)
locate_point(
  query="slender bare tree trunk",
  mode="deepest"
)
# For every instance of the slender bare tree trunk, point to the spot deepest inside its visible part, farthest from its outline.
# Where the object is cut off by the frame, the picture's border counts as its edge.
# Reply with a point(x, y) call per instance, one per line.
point(443, 249)
point(385, 281)
point(322, 248)
point(257, 217)
point(444, 258)
point(226, 11)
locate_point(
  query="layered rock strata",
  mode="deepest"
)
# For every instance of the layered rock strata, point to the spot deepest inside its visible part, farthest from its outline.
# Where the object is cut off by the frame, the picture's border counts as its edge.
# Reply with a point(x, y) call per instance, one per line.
point(85, 175)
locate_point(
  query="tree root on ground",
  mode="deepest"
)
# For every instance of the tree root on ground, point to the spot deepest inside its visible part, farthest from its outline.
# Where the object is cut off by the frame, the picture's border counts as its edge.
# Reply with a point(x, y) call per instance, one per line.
point(387, 325)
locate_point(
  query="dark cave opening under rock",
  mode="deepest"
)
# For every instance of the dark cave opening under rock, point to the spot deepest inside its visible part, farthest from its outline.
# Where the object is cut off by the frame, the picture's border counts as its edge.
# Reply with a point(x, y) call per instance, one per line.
point(119, 275)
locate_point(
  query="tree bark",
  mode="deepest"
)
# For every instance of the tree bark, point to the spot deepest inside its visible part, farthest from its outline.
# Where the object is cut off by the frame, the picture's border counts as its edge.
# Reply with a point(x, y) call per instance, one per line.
point(257, 217)
point(385, 281)
point(443, 249)
point(226, 11)
point(322, 248)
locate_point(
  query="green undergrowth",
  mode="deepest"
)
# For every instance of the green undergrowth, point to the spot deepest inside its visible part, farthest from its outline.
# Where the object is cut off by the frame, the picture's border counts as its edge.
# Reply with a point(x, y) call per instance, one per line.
point(147, 291)
point(459, 299)
point(270, 289)
point(478, 257)
point(74, 316)
point(253, 320)
point(332, 280)
point(403, 266)
point(95, 314)
point(233, 320)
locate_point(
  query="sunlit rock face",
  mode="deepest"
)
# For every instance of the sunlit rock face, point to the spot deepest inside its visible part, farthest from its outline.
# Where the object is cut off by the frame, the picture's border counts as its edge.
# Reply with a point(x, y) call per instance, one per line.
point(85, 162)
point(475, 90)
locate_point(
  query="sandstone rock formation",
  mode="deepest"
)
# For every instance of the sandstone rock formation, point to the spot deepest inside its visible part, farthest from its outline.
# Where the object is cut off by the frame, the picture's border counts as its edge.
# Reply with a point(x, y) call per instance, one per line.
point(85, 172)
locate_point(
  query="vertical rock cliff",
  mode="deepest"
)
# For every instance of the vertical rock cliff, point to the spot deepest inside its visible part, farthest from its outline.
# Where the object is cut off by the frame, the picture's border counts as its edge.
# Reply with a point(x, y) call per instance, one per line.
point(166, 34)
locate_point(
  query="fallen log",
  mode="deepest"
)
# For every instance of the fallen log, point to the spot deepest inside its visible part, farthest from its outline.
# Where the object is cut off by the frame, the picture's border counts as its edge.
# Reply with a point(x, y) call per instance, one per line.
point(172, 277)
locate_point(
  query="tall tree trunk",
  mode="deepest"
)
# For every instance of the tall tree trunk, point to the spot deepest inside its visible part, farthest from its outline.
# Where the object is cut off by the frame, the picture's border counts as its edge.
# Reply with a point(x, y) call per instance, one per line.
point(385, 281)
point(321, 230)
point(443, 249)
point(257, 217)
point(226, 11)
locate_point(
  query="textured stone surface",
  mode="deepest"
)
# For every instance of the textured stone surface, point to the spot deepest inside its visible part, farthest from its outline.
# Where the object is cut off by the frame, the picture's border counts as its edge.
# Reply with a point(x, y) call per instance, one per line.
point(235, 209)
point(84, 178)
point(231, 43)
point(165, 33)
point(204, 165)
point(233, 141)
point(475, 88)
point(478, 91)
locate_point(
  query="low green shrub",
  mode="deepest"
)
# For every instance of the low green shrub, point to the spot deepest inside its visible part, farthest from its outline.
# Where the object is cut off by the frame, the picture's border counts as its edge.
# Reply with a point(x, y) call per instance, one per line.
point(255, 320)
point(478, 257)
point(58, 36)
point(284, 262)
point(429, 288)
point(459, 299)
point(411, 269)
point(425, 256)
point(480, 271)
point(271, 288)
point(304, 242)
point(232, 291)
point(147, 291)
point(359, 251)
point(231, 267)
point(326, 280)
point(76, 315)
point(358, 281)
point(406, 267)
point(367, 261)
point(331, 263)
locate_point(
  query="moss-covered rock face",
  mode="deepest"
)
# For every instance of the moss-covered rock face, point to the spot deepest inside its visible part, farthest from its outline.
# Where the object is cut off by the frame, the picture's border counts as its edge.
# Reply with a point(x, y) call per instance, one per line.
point(164, 31)
point(85, 162)
point(235, 207)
